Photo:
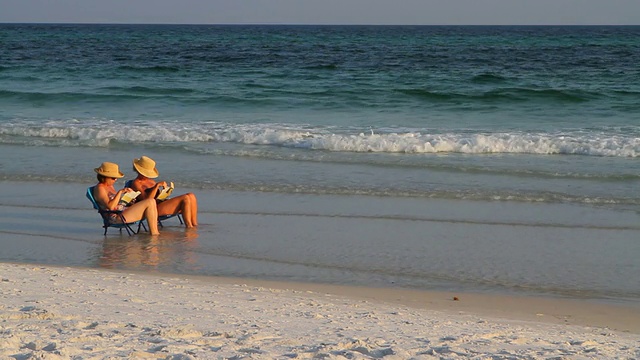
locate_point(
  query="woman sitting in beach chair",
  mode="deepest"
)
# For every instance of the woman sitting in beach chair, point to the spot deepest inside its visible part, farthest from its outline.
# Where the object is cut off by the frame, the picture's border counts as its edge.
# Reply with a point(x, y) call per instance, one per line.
point(108, 198)
point(185, 204)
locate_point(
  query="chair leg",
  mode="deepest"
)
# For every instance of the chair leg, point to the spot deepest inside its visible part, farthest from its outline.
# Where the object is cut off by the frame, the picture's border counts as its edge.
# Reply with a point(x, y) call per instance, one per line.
point(130, 231)
point(106, 225)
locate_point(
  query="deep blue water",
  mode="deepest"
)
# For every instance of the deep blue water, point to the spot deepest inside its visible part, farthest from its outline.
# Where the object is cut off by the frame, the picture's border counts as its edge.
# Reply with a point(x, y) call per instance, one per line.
point(521, 113)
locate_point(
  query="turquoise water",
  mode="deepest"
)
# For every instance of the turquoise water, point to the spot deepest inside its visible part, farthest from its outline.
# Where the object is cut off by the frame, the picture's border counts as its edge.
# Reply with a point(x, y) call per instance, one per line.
point(522, 113)
point(502, 115)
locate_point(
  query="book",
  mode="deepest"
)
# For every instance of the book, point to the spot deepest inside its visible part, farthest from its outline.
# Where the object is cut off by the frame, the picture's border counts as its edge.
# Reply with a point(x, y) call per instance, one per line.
point(127, 198)
point(165, 192)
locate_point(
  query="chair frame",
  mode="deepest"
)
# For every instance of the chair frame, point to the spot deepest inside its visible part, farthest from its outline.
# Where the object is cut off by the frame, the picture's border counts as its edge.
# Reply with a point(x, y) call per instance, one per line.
point(166, 217)
point(128, 184)
point(106, 214)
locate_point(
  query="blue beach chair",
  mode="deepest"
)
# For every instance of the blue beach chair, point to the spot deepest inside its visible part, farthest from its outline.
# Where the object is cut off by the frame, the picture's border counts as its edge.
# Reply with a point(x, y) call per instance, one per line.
point(106, 214)
point(161, 217)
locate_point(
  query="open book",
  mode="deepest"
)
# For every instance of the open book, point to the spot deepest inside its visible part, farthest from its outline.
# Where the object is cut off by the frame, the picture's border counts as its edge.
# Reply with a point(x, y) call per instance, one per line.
point(127, 198)
point(164, 194)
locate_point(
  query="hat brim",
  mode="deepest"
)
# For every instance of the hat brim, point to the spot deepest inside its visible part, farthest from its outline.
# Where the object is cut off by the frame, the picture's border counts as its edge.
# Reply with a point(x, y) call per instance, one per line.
point(111, 175)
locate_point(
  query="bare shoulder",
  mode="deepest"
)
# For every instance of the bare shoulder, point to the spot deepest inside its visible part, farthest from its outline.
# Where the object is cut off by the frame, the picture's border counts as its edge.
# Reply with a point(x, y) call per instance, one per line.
point(138, 185)
point(135, 184)
point(99, 189)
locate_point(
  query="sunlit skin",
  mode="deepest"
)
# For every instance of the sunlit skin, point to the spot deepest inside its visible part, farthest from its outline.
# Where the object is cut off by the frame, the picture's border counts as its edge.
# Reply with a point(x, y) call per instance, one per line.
point(108, 198)
point(186, 204)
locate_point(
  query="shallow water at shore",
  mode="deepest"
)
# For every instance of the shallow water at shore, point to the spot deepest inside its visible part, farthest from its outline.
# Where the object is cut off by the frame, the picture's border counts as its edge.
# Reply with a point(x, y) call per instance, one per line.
point(453, 245)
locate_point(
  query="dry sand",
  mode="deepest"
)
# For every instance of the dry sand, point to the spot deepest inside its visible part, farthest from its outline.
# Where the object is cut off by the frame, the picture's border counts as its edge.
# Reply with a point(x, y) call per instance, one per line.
point(68, 313)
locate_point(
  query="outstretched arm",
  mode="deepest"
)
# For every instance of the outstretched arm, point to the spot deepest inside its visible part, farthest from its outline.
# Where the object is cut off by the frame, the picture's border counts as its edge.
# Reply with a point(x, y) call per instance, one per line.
point(148, 192)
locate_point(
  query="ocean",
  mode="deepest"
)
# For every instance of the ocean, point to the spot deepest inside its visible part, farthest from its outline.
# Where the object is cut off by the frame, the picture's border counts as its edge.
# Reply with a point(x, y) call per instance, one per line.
point(375, 123)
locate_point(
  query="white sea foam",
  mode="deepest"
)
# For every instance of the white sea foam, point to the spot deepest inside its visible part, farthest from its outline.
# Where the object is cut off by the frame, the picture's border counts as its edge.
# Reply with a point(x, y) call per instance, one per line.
point(576, 142)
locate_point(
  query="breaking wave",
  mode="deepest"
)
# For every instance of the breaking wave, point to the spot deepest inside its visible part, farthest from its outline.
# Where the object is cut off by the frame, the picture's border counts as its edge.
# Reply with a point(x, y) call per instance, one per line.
point(595, 142)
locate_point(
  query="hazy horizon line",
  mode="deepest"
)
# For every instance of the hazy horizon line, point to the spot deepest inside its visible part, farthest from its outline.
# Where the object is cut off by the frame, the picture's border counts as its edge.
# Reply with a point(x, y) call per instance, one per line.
point(288, 24)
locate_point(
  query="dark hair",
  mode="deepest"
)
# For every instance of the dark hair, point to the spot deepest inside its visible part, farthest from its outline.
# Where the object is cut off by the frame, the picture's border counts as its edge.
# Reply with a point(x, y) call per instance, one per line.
point(101, 178)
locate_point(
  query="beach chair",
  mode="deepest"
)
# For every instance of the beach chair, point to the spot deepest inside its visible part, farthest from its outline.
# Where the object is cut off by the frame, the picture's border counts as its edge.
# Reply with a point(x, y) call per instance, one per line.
point(106, 214)
point(166, 217)
point(161, 218)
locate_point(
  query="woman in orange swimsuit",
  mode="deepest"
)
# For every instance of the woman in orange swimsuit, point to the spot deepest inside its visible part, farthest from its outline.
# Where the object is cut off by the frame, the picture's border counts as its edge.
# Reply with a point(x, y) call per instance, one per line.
point(108, 198)
point(186, 204)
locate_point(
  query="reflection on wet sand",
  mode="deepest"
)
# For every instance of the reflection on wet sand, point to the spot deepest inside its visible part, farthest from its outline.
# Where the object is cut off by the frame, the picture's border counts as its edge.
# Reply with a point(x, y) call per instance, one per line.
point(173, 248)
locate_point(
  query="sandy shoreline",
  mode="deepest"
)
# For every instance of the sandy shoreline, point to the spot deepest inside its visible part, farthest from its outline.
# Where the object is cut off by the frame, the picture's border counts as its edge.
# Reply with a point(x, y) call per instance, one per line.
point(60, 312)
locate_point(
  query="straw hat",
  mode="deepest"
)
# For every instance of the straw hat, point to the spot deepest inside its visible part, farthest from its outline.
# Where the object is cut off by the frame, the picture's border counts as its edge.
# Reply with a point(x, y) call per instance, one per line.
point(146, 166)
point(109, 169)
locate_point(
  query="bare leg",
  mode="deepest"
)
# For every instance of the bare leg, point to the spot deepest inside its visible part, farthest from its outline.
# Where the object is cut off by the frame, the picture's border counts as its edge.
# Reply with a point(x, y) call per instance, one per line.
point(185, 204)
point(194, 209)
point(145, 209)
point(186, 210)
point(190, 210)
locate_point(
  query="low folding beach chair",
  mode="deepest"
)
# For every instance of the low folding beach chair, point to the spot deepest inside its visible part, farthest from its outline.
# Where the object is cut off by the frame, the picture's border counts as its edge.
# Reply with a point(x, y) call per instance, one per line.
point(166, 217)
point(162, 217)
point(106, 215)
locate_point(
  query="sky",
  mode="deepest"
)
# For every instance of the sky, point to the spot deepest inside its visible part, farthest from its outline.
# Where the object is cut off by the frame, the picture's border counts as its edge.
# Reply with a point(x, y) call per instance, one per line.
point(372, 12)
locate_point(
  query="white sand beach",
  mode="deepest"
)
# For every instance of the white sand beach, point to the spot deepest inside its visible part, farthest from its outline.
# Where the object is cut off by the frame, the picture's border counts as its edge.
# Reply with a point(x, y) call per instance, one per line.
point(70, 313)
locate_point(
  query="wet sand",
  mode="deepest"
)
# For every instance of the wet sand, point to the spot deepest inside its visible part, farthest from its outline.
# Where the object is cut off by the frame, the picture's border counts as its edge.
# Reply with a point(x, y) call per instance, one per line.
point(502, 248)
